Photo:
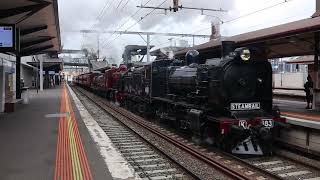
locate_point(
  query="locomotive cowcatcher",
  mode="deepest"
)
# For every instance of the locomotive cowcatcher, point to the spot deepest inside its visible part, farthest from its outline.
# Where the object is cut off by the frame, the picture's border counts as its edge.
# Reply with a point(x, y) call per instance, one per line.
point(226, 102)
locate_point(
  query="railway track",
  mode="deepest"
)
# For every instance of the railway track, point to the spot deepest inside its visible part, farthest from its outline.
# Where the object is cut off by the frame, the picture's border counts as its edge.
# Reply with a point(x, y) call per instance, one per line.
point(120, 113)
point(233, 167)
point(144, 159)
point(282, 165)
point(147, 162)
point(286, 168)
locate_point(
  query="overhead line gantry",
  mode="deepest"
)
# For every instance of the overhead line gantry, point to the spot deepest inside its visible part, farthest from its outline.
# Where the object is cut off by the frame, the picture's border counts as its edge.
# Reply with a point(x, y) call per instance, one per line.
point(148, 34)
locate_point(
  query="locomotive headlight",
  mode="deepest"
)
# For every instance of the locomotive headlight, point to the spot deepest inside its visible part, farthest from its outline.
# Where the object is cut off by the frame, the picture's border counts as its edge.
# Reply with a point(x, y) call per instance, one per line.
point(245, 54)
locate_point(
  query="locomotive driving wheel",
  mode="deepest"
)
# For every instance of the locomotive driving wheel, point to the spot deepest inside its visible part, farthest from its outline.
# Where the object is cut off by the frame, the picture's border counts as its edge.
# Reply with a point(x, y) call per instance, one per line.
point(208, 136)
point(112, 97)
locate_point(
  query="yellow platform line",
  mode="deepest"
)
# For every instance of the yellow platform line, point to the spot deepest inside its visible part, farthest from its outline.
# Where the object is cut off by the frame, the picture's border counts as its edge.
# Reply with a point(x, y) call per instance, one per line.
point(71, 160)
point(76, 167)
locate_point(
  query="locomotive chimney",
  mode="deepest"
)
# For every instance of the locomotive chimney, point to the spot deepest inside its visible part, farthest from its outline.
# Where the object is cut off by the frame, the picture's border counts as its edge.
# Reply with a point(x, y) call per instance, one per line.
point(317, 13)
point(227, 47)
point(215, 31)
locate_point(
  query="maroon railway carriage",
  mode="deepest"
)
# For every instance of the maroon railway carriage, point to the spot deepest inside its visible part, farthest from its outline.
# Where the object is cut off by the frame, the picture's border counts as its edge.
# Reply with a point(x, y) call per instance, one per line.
point(85, 80)
point(116, 78)
point(105, 84)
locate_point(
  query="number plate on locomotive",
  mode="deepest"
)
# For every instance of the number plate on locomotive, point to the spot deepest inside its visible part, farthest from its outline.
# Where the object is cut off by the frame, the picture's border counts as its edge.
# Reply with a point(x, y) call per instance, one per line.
point(244, 106)
point(267, 123)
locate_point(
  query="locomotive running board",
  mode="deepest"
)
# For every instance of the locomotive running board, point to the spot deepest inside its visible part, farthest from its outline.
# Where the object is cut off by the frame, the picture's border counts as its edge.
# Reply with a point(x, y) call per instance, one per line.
point(240, 149)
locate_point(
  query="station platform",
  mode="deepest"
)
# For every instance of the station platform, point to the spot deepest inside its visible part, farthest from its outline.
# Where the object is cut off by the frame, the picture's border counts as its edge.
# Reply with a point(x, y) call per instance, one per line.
point(296, 113)
point(46, 139)
point(289, 93)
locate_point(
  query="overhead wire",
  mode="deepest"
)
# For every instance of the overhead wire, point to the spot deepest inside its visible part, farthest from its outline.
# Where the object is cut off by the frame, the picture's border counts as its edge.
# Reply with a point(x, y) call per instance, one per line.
point(119, 4)
point(248, 14)
point(125, 4)
point(224, 22)
point(142, 18)
point(245, 15)
point(127, 20)
point(102, 12)
point(107, 5)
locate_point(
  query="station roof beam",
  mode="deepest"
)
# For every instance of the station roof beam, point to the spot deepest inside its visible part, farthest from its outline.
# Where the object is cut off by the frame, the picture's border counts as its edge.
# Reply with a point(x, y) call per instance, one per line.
point(37, 21)
point(35, 42)
point(31, 9)
point(27, 31)
point(33, 51)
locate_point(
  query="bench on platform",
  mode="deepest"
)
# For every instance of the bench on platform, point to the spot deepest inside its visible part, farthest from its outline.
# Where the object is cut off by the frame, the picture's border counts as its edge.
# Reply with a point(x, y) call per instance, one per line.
point(11, 105)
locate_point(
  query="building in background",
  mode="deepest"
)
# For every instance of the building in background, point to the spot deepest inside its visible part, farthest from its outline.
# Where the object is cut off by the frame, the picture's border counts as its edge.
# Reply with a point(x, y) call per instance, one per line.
point(290, 72)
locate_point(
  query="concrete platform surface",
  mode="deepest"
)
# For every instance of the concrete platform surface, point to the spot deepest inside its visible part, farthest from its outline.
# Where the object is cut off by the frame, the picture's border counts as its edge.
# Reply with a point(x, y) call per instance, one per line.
point(299, 93)
point(46, 139)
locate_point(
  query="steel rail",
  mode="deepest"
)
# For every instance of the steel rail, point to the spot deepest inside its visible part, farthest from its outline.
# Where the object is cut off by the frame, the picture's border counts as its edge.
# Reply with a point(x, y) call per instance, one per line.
point(157, 148)
point(197, 154)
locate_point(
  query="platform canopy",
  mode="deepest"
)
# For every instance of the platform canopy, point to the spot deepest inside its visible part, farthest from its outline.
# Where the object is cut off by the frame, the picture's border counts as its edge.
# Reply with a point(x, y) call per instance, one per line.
point(38, 22)
point(52, 64)
point(286, 40)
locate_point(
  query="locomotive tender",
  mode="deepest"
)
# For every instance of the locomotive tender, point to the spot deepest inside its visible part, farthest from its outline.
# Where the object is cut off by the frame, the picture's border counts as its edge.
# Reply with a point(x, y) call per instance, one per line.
point(224, 102)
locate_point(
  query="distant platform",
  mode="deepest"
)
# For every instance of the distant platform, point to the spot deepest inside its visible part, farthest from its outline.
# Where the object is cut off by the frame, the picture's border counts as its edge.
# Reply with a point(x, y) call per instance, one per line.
point(284, 92)
point(296, 113)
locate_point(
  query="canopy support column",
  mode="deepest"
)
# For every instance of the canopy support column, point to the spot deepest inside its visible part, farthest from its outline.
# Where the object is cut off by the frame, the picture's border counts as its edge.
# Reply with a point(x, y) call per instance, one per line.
point(18, 77)
point(41, 73)
point(316, 94)
point(18, 65)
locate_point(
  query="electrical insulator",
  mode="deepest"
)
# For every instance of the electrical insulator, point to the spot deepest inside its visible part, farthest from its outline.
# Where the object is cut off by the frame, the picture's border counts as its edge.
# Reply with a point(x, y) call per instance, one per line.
point(175, 5)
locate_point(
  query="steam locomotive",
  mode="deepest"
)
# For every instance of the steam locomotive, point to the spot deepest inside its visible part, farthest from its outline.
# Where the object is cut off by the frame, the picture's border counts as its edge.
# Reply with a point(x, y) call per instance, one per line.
point(226, 102)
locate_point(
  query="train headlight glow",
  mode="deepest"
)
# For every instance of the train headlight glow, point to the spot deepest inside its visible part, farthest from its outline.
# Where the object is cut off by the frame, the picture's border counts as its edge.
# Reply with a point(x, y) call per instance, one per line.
point(245, 54)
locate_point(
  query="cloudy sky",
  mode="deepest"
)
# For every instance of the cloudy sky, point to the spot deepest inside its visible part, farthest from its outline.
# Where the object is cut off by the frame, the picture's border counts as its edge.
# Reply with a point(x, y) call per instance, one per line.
point(242, 16)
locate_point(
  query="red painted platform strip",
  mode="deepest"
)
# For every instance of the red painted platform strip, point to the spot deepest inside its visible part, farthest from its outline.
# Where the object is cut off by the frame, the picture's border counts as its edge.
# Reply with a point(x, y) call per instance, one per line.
point(83, 158)
point(301, 116)
point(71, 159)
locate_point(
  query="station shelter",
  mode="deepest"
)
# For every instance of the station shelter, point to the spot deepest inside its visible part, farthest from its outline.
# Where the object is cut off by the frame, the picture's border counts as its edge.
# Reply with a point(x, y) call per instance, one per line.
point(305, 60)
point(36, 41)
point(299, 38)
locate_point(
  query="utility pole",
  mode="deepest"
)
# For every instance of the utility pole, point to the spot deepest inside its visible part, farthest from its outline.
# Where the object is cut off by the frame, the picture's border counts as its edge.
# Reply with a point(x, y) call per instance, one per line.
point(98, 45)
point(148, 47)
point(192, 41)
point(170, 39)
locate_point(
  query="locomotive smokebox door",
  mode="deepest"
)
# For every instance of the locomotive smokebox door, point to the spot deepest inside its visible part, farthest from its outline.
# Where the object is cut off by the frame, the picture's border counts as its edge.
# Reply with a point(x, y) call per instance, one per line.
point(194, 117)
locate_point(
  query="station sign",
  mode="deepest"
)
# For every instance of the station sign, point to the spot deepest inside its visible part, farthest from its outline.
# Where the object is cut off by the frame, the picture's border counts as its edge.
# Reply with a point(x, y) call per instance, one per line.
point(7, 38)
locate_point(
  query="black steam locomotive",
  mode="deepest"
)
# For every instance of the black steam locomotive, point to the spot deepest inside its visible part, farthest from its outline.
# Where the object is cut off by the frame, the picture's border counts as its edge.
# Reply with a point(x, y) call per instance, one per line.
point(226, 102)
